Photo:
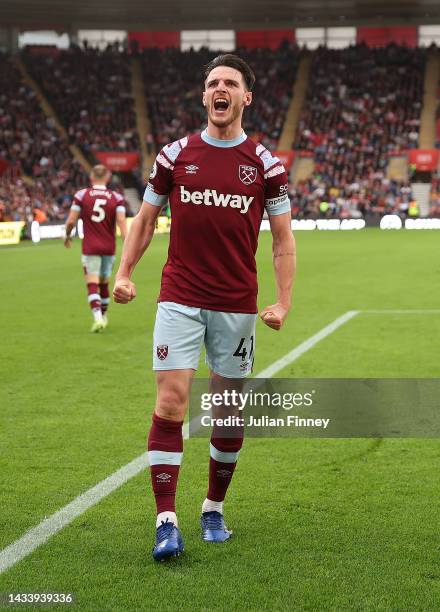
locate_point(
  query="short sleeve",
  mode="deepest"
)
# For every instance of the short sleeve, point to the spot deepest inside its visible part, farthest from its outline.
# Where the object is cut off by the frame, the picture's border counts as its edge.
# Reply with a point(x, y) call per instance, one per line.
point(160, 181)
point(120, 203)
point(77, 200)
point(276, 198)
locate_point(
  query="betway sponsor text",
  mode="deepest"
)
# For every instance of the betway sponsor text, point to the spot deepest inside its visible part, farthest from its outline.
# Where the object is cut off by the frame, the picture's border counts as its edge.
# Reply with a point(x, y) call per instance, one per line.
point(210, 197)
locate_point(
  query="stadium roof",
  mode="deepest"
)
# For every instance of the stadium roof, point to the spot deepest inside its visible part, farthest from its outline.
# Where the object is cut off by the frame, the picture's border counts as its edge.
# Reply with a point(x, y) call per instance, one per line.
point(212, 14)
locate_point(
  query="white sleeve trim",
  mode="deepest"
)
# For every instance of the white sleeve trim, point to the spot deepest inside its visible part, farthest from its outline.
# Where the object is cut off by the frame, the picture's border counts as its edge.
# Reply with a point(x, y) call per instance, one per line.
point(120, 209)
point(278, 206)
point(154, 198)
point(274, 171)
point(266, 157)
point(162, 160)
point(76, 207)
point(173, 150)
point(80, 194)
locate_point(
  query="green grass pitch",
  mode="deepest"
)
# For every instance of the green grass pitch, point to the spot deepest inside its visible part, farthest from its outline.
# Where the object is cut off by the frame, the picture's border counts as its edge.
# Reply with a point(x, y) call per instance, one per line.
point(318, 524)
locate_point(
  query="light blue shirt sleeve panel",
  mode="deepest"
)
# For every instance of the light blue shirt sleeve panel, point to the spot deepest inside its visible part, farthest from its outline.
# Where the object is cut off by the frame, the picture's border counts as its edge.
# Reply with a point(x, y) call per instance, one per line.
point(278, 208)
point(155, 198)
point(75, 207)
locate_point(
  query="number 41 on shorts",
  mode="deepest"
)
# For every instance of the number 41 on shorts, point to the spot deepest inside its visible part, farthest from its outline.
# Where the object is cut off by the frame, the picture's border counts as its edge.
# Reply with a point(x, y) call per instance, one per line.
point(241, 351)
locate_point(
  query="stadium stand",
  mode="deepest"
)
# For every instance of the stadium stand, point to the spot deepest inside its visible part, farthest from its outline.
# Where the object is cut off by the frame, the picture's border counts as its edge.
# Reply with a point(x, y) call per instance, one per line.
point(317, 197)
point(173, 81)
point(362, 106)
point(91, 93)
point(32, 145)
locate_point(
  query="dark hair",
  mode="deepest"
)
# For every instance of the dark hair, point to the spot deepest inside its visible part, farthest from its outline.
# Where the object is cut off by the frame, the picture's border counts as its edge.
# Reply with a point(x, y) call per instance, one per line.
point(232, 61)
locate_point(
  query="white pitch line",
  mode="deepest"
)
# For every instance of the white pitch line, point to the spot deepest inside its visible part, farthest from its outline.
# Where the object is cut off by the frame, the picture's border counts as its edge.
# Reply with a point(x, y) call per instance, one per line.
point(306, 345)
point(38, 535)
point(387, 311)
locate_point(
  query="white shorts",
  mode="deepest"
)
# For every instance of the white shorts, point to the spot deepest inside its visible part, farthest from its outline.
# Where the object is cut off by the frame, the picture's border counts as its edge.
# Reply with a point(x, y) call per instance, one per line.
point(180, 330)
point(101, 265)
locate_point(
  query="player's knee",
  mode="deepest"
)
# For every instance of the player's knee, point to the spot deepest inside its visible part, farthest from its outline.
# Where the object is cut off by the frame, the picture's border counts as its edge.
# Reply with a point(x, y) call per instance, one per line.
point(171, 403)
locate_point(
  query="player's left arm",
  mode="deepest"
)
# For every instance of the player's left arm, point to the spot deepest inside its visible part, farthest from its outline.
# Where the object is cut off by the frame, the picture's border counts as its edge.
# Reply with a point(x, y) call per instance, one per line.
point(277, 205)
point(70, 224)
point(284, 263)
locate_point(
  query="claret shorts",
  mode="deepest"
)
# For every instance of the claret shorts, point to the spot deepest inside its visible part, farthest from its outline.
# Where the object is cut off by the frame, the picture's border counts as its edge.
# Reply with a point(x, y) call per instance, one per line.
point(180, 331)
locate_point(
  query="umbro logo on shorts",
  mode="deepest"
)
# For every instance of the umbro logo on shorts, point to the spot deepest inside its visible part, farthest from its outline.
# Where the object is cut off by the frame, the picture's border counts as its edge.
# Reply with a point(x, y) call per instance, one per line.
point(163, 477)
point(162, 351)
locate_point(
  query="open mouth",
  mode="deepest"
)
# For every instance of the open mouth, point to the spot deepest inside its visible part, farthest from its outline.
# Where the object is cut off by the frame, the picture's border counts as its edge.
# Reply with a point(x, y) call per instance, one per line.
point(221, 105)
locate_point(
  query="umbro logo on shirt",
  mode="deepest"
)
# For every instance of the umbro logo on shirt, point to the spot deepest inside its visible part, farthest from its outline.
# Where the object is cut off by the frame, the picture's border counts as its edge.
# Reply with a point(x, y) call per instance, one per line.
point(191, 169)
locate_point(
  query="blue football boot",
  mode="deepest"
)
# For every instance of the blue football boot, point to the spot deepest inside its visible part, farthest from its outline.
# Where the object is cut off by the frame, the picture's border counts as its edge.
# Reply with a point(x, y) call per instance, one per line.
point(169, 542)
point(213, 527)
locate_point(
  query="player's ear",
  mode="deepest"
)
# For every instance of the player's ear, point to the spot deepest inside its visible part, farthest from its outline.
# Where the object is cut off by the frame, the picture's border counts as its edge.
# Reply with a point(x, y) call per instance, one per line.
point(203, 99)
point(247, 98)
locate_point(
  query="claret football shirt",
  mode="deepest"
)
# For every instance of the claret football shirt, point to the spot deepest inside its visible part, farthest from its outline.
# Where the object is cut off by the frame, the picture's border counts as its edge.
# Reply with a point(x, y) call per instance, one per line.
point(218, 191)
point(98, 207)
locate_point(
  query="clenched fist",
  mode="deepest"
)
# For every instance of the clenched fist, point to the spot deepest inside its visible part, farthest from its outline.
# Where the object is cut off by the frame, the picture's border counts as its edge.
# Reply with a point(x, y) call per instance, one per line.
point(124, 291)
point(275, 315)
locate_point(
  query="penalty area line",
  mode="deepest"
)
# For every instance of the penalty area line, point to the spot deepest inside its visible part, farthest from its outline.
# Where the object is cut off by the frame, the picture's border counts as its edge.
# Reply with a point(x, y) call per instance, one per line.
point(406, 312)
point(305, 346)
point(40, 534)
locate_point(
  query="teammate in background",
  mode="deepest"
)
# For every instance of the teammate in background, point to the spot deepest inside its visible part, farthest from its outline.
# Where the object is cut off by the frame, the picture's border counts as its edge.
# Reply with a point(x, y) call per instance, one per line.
point(219, 184)
point(100, 210)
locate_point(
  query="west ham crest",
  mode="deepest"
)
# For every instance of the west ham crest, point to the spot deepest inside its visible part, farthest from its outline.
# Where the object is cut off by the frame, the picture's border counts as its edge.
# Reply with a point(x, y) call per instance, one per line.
point(247, 174)
point(162, 351)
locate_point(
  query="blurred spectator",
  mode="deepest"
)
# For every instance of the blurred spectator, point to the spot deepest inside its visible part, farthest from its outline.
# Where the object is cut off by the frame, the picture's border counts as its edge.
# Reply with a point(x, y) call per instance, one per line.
point(149, 140)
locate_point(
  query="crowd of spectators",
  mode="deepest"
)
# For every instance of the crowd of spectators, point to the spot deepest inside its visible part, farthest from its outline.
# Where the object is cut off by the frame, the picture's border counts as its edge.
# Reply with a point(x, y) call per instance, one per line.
point(362, 106)
point(174, 84)
point(373, 195)
point(91, 93)
point(32, 145)
point(23, 202)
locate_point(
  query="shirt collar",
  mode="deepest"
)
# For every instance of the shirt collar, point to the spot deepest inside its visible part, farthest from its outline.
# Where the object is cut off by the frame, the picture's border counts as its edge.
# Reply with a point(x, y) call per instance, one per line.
point(216, 142)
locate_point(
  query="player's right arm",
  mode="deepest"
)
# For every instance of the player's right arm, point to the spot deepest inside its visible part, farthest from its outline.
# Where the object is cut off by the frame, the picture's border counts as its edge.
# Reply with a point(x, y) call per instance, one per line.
point(70, 224)
point(135, 245)
point(142, 227)
point(74, 215)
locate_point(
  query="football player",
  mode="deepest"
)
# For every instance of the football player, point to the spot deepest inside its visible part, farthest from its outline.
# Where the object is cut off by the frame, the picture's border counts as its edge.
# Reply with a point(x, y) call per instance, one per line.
point(100, 209)
point(219, 184)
